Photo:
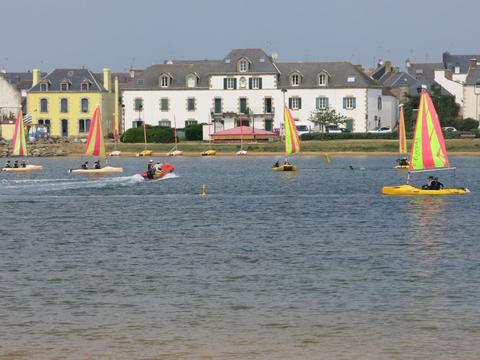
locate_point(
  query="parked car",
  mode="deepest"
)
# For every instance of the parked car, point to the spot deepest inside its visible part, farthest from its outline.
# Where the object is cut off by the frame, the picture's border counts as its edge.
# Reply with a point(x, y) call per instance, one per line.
point(335, 129)
point(384, 129)
point(302, 129)
point(449, 129)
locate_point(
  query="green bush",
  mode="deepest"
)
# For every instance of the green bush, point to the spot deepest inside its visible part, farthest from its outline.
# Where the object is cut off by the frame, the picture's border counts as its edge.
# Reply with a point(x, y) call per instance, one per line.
point(194, 132)
point(467, 124)
point(155, 134)
point(350, 136)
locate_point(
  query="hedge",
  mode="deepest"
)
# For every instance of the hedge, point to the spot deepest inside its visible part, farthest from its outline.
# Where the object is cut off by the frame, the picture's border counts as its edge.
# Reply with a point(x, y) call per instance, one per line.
point(155, 134)
point(350, 136)
point(194, 132)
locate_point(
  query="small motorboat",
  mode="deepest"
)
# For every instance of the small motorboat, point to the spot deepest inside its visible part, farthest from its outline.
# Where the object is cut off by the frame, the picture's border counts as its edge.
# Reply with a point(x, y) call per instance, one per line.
point(209, 152)
point(115, 153)
point(285, 167)
point(145, 153)
point(411, 190)
point(27, 168)
point(103, 170)
point(166, 169)
point(175, 153)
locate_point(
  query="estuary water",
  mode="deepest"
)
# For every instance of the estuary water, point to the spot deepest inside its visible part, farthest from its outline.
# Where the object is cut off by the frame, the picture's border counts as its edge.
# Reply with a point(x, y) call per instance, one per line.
point(316, 264)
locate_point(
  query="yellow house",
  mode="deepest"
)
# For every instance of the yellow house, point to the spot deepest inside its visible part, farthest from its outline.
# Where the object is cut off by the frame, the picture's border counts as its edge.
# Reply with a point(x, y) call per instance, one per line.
point(64, 101)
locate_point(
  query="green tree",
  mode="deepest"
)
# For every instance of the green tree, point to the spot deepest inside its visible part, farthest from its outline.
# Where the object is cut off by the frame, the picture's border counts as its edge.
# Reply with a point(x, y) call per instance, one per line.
point(325, 117)
point(194, 132)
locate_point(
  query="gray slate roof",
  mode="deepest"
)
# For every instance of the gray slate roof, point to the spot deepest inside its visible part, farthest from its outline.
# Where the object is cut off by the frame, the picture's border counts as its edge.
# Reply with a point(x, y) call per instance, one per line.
point(20, 80)
point(338, 74)
point(451, 61)
point(473, 76)
point(424, 72)
point(260, 62)
point(401, 79)
point(75, 76)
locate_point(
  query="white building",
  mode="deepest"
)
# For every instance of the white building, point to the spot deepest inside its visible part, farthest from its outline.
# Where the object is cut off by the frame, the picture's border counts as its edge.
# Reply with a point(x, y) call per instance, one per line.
point(10, 99)
point(248, 86)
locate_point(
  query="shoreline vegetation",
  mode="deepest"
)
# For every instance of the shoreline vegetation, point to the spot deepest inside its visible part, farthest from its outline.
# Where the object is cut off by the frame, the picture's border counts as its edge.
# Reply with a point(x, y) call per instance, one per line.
point(371, 147)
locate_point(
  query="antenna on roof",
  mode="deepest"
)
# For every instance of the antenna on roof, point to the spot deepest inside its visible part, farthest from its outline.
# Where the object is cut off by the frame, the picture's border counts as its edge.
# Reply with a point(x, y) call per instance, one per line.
point(274, 56)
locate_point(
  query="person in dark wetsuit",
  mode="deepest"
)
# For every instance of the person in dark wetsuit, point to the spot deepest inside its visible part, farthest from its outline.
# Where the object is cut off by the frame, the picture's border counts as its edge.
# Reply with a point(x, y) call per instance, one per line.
point(150, 170)
point(15, 164)
point(277, 164)
point(23, 164)
point(428, 185)
point(97, 164)
point(436, 184)
point(8, 165)
point(85, 165)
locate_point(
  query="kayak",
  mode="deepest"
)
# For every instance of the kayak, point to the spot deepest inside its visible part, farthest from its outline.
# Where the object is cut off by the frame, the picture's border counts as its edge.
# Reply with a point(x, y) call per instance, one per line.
point(285, 167)
point(175, 153)
point(166, 169)
point(104, 170)
point(145, 153)
point(24, 169)
point(410, 190)
point(210, 152)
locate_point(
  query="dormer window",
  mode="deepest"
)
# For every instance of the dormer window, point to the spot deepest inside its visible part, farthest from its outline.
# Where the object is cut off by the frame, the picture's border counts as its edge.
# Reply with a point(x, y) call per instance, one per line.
point(322, 80)
point(44, 86)
point(192, 81)
point(243, 65)
point(85, 85)
point(295, 79)
point(419, 71)
point(351, 79)
point(65, 85)
point(457, 69)
point(164, 81)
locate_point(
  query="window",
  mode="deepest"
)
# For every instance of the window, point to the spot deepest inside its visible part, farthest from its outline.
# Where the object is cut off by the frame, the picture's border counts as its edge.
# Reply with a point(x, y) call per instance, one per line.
point(268, 124)
point(321, 103)
point(379, 103)
point(255, 83)
point(64, 86)
point(229, 83)
point(243, 105)
point(243, 65)
point(164, 104)
point(84, 105)
point(322, 80)
point(351, 79)
point(349, 102)
point(456, 70)
point(137, 124)
point(191, 104)
point(267, 105)
point(63, 105)
point(83, 125)
point(85, 86)
point(217, 106)
point(295, 80)
point(190, 122)
point(165, 123)
point(164, 81)
point(140, 82)
point(138, 104)
point(44, 86)
point(191, 81)
point(295, 103)
point(43, 105)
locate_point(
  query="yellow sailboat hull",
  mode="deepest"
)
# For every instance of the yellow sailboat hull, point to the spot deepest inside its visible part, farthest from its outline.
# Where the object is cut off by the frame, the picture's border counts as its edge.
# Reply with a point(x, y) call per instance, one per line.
point(24, 169)
point(284, 168)
point(209, 153)
point(175, 153)
point(104, 170)
point(401, 167)
point(410, 190)
point(145, 153)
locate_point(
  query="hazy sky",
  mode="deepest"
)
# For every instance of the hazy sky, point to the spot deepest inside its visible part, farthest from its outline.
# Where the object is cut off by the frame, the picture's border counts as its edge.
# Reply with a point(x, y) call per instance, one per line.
point(122, 33)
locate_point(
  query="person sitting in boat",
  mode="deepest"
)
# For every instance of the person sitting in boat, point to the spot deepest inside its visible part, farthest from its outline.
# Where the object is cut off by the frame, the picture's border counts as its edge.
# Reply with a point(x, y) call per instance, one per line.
point(277, 164)
point(97, 164)
point(23, 164)
point(157, 167)
point(428, 185)
point(436, 184)
point(85, 165)
point(403, 161)
point(286, 162)
point(8, 165)
point(15, 164)
point(150, 170)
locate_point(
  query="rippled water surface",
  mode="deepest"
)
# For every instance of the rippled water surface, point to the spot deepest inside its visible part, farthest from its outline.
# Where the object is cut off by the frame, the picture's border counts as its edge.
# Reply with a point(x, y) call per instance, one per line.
point(309, 265)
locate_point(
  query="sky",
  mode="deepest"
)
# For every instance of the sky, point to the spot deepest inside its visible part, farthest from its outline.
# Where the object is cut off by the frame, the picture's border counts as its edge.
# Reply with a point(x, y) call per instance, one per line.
point(121, 34)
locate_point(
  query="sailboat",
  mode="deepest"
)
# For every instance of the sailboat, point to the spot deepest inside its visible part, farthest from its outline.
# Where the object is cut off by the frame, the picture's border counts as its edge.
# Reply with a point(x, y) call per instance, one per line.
point(241, 152)
point(145, 152)
point(19, 146)
point(428, 151)
point(402, 163)
point(174, 151)
point(96, 146)
point(209, 151)
point(292, 141)
point(115, 152)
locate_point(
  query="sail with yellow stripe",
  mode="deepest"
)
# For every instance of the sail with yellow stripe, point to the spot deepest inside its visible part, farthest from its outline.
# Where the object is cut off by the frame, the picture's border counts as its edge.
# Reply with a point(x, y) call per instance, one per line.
point(402, 138)
point(428, 149)
point(292, 140)
point(95, 140)
point(19, 143)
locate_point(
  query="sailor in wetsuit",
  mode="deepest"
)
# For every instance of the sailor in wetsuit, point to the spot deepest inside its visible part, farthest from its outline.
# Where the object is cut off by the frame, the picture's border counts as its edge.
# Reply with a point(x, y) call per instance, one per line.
point(97, 164)
point(23, 164)
point(8, 165)
point(85, 165)
point(15, 164)
point(150, 170)
point(428, 185)
point(436, 184)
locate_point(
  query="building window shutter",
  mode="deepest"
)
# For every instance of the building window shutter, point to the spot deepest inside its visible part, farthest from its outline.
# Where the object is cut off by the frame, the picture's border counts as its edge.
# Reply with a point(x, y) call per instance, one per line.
point(260, 83)
point(225, 83)
point(344, 103)
point(354, 103)
point(234, 83)
point(299, 103)
point(250, 83)
point(326, 103)
point(289, 103)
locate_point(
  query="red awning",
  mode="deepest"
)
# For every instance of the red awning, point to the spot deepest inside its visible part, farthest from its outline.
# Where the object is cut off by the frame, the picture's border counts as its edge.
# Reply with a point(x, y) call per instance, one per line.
point(244, 131)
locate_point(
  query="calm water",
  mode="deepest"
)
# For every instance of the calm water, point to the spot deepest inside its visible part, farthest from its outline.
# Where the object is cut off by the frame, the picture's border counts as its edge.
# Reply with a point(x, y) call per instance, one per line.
point(313, 265)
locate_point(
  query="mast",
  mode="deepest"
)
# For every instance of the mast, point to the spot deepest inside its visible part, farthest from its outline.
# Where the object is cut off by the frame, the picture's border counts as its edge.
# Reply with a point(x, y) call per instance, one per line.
point(175, 131)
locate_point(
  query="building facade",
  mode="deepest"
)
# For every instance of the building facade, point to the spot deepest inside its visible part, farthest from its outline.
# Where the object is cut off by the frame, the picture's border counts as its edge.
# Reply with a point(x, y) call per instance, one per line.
point(249, 87)
point(64, 100)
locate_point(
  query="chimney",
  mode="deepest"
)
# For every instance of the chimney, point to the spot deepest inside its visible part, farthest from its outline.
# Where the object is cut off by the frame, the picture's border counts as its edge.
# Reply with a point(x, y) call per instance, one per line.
point(132, 73)
point(36, 76)
point(472, 63)
point(388, 66)
point(107, 79)
point(407, 63)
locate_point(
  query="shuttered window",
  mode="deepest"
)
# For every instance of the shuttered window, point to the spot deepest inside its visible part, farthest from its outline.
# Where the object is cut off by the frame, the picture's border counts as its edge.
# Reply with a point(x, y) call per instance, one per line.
point(349, 102)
